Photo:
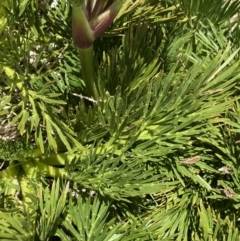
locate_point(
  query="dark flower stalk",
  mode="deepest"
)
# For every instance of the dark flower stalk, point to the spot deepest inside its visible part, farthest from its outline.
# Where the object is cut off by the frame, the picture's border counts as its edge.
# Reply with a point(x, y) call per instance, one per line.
point(90, 19)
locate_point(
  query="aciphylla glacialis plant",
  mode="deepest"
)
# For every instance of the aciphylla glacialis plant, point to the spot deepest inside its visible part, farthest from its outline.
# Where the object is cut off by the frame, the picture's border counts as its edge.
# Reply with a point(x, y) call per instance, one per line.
point(90, 19)
point(160, 154)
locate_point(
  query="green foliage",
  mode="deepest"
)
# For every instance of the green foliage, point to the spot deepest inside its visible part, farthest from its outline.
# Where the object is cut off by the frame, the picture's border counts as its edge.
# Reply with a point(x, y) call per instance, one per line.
point(156, 158)
point(89, 215)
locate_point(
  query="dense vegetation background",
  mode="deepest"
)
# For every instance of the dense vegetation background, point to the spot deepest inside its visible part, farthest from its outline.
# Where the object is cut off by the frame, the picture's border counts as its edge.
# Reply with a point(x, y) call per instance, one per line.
point(155, 158)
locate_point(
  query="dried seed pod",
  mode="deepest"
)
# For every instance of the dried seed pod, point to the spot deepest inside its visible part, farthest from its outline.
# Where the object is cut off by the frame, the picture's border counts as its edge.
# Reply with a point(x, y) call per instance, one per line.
point(229, 193)
point(190, 160)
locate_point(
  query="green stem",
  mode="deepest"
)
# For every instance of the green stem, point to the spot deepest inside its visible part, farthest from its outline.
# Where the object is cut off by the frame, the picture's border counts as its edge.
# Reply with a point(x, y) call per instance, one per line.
point(27, 180)
point(53, 159)
point(28, 177)
point(9, 176)
point(88, 71)
point(51, 171)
